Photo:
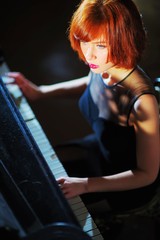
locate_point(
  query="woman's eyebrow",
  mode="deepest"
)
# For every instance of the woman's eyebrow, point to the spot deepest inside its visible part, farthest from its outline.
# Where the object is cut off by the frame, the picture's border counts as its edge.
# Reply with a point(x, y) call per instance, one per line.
point(99, 42)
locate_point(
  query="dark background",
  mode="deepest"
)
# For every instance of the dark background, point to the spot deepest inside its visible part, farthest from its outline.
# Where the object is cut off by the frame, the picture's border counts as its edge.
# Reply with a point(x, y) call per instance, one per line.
point(34, 41)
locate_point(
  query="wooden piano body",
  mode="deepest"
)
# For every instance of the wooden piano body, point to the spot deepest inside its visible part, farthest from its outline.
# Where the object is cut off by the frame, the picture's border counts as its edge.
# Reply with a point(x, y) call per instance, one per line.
point(28, 171)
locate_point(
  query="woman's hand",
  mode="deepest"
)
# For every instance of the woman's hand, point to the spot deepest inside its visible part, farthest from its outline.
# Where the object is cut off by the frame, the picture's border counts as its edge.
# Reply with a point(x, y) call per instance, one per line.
point(29, 89)
point(72, 186)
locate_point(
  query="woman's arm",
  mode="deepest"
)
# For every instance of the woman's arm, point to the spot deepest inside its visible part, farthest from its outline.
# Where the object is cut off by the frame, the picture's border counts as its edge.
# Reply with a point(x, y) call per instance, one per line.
point(66, 89)
point(33, 92)
point(146, 124)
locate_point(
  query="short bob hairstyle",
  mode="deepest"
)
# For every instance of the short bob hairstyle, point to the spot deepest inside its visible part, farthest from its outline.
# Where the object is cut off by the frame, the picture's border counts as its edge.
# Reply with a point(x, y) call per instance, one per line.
point(118, 22)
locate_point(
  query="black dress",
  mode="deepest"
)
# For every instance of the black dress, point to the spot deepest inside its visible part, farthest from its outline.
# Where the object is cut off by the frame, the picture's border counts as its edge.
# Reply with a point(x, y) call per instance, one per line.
point(112, 147)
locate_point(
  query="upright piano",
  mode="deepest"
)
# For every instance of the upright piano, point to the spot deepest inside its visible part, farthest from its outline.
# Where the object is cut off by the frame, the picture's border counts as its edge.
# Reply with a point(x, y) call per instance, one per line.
point(31, 200)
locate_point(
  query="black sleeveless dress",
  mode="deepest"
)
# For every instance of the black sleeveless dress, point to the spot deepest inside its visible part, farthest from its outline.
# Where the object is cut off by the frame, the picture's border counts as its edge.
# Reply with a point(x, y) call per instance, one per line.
point(112, 146)
point(107, 109)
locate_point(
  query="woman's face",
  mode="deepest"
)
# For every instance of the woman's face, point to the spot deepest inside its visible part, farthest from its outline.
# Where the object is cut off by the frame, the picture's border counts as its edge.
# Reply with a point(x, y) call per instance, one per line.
point(96, 55)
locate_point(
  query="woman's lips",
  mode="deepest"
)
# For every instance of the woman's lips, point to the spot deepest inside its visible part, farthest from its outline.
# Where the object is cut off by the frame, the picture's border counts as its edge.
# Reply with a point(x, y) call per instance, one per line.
point(93, 66)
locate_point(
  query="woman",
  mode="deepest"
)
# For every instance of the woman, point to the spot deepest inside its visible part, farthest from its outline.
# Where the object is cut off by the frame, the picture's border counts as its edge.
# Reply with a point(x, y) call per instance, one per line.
point(118, 101)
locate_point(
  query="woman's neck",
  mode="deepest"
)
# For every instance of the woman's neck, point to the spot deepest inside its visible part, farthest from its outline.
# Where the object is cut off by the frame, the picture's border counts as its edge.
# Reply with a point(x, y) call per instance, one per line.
point(115, 75)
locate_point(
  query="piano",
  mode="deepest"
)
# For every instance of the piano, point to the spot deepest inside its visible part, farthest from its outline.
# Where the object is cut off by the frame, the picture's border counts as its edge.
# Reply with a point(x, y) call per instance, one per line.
point(29, 166)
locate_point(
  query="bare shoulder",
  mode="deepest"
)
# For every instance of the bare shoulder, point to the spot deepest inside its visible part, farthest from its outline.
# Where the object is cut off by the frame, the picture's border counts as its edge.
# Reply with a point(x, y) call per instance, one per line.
point(146, 102)
point(146, 110)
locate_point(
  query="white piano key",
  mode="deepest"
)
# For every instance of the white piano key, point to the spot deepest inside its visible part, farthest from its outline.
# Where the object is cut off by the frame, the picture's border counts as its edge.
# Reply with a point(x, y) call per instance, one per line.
point(77, 205)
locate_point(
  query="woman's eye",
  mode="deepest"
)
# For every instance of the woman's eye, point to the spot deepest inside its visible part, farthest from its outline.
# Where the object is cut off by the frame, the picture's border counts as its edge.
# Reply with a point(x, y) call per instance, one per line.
point(83, 43)
point(101, 46)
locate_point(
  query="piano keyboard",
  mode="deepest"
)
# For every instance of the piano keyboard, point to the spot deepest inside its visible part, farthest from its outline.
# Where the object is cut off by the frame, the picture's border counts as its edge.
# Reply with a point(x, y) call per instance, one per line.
point(78, 207)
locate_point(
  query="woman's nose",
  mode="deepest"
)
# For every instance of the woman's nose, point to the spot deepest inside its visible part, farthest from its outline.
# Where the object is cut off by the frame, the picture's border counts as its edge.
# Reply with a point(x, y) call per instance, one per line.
point(90, 54)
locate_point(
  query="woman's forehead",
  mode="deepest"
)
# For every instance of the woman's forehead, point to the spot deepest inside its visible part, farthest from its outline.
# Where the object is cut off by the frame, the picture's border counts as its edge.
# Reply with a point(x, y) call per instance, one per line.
point(98, 39)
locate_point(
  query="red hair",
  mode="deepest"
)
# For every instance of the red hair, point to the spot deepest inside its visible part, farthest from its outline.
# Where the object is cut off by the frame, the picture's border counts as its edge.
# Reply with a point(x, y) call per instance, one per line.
point(117, 21)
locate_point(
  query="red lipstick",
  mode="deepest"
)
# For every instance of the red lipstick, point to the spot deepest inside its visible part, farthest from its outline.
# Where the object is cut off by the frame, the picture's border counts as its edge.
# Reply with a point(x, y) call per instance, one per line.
point(93, 66)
